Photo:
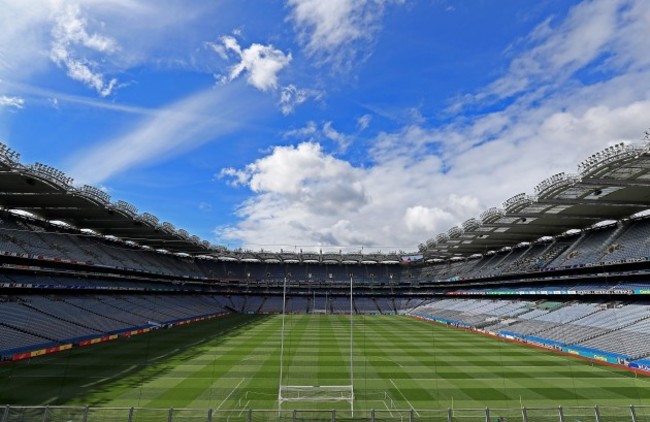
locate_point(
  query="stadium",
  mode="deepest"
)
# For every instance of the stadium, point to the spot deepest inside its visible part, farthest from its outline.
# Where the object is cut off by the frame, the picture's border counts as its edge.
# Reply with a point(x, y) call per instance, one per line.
point(532, 311)
point(312, 210)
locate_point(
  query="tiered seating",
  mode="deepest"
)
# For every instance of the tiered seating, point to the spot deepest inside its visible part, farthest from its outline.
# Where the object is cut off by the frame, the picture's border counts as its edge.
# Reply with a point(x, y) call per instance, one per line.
point(563, 319)
point(476, 312)
point(13, 339)
point(340, 305)
point(589, 248)
point(633, 341)
point(617, 328)
point(365, 305)
point(271, 304)
point(602, 322)
point(34, 320)
point(633, 243)
point(301, 304)
point(23, 318)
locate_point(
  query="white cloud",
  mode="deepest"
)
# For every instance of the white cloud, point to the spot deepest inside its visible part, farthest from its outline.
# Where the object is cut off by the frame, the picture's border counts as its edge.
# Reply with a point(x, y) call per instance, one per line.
point(364, 121)
point(342, 140)
point(201, 117)
point(324, 131)
point(333, 31)
point(304, 133)
point(261, 62)
point(14, 102)
point(555, 51)
point(423, 179)
point(308, 197)
point(292, 96)
point(294, 170)
point(408, 198)
point(419, 218)
point(296, 186)
point(94, 40)
point(69, 35)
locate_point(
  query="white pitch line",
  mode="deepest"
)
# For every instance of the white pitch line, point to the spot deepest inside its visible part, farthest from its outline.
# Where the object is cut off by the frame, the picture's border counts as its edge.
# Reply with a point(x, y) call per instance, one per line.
point(385, 358)
point(245, 408)
point(402, 394)
point(391, 413)
point(90, 384)
point(164, 356)
point(228, 396)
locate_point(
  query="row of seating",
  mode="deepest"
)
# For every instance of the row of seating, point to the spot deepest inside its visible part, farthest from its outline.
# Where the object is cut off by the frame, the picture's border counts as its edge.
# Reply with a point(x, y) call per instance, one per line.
point(615, 327)
point(625, 240)
point(32, 320)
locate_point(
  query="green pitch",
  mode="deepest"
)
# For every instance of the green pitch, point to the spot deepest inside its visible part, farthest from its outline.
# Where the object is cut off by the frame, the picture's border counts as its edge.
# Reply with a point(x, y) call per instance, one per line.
point(233, 363)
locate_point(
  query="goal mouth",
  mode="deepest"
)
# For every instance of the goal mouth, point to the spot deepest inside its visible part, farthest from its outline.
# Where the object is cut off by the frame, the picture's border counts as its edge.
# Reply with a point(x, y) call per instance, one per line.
point(316, 393)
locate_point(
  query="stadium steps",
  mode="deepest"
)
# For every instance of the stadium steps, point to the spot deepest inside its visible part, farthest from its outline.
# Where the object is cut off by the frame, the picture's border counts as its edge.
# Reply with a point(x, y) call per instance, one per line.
point(57, 317)
point(127, 311)
point(570, 321)
point(258, 307)
point(622, 327)
point(508, 320)
point(620, 231)
point(97, 313)
point(374, 300)
point(146, 303)
point(22, 330)
point(564, 256)
point(555, 325)
point(580, 340)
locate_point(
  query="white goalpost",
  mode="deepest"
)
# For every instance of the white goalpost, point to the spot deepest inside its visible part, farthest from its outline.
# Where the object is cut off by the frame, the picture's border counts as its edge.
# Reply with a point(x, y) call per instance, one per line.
point(315, 393)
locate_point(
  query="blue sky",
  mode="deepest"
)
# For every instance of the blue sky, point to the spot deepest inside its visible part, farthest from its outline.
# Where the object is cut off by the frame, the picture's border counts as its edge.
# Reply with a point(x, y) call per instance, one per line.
point(307, 124)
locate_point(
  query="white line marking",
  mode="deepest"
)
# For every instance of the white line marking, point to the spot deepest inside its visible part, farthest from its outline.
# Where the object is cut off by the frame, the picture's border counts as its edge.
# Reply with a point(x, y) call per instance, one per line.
point(164, 356)
point(391, 413)
point(407, 400)
point(90, 384)
point(228, 396)
point(245, 408)
point(385, 358)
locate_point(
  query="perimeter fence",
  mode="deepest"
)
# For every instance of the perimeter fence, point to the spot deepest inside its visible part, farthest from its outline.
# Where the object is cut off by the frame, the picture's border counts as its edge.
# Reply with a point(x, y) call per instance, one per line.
point(631, 413)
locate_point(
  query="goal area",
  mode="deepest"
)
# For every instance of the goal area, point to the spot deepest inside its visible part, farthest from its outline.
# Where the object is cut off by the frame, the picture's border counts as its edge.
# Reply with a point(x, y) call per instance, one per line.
point(301, 391)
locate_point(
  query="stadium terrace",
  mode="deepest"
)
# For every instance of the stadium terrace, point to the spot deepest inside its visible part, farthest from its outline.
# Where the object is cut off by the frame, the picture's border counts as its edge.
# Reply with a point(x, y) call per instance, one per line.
point(536, 310)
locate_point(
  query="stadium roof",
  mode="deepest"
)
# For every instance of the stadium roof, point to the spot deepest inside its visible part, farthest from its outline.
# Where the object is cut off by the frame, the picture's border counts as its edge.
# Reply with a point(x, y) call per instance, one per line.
point(49, 194)
point(610, 185)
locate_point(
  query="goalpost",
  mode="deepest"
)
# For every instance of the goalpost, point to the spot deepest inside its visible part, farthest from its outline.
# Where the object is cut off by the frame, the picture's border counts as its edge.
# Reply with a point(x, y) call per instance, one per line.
point(315, 393)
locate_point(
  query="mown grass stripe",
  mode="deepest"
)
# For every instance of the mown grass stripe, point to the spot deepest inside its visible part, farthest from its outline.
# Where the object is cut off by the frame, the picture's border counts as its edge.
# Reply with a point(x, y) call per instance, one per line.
point(234, 361)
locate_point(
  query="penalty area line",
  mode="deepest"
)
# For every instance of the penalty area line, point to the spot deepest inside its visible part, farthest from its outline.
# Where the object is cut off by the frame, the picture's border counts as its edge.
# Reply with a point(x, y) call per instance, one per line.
point(387, 408)
point(402, 394)
point(244, 408)
point(228, 396)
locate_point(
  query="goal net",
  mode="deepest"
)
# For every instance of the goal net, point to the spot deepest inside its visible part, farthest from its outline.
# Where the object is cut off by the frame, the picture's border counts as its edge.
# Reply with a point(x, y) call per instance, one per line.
point(316, 393)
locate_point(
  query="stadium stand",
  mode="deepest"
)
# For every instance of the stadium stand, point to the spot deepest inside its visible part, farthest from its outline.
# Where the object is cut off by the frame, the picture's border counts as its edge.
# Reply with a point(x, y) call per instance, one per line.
point(567, 267)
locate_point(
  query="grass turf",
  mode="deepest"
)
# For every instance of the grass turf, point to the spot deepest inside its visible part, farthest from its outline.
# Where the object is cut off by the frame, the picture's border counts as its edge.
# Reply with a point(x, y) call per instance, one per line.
point(233, 362)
